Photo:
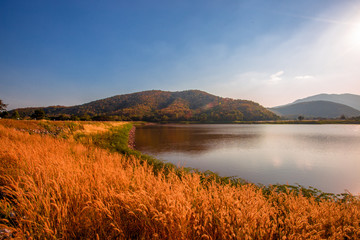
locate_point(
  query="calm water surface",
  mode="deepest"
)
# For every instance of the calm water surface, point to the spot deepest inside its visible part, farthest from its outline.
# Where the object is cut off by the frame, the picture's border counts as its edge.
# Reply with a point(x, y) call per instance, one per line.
point(323, 156)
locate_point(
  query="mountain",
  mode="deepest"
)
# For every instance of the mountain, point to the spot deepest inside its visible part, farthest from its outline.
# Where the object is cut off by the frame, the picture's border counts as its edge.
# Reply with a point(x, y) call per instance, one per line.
point(350, 100)
point(156, 105)
point(315, 109)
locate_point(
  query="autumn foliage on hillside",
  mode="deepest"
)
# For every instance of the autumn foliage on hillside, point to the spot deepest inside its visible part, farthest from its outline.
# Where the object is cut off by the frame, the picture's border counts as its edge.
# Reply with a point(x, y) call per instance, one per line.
point(56, 188)
point(192, 105)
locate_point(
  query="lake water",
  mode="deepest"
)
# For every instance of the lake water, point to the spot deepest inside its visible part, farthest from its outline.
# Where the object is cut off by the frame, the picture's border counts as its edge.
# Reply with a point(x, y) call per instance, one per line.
point(323, 156)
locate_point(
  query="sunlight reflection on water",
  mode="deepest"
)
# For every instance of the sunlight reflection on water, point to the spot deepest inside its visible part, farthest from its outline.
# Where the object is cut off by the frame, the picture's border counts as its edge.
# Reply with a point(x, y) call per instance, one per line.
point(322, 156)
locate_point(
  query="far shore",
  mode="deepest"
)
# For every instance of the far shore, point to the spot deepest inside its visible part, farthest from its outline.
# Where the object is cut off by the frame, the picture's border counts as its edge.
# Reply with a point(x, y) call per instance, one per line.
point(316, 121)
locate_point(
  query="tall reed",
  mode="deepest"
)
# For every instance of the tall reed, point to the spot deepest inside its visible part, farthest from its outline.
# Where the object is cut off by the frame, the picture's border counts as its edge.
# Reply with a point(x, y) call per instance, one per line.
point(54, 188)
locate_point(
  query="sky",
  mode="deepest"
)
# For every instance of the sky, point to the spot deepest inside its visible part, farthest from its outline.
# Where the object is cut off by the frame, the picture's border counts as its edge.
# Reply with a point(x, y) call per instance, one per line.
point(272, 52)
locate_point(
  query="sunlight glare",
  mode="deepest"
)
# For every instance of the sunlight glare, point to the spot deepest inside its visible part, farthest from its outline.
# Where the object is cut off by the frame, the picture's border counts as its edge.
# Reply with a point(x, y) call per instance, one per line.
point(354, 36)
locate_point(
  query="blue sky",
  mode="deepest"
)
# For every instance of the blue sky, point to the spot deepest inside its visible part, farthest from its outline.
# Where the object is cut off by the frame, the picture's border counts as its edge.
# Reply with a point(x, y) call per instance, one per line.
point(269, 51)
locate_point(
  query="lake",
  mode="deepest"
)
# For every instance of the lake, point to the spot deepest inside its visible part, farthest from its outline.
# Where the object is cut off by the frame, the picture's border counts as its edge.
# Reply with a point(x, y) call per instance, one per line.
point(326, 157)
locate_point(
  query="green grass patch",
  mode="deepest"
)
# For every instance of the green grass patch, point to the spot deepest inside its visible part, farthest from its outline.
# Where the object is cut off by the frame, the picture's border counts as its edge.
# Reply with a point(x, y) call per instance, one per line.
point(116, 140)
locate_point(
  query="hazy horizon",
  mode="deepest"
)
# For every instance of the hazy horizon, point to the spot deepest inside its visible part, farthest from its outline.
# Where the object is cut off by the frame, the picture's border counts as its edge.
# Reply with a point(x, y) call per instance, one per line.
point(271, 52)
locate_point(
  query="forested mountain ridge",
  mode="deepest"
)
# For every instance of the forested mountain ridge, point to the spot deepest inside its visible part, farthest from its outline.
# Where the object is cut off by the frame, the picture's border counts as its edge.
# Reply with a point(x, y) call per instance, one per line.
point(156, 105)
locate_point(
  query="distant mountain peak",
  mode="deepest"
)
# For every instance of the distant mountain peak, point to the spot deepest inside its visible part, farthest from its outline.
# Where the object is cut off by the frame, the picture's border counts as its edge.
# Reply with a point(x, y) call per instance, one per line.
point(322, 106)
point(351, 100)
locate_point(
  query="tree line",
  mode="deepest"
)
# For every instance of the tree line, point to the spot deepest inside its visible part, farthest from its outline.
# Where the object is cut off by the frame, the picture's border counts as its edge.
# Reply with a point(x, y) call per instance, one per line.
point(175, 113)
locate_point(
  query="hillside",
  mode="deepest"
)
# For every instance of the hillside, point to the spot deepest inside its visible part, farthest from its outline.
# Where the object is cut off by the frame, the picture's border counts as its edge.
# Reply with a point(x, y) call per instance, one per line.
point(316, 109)
point(350, 100)
point(156, 105)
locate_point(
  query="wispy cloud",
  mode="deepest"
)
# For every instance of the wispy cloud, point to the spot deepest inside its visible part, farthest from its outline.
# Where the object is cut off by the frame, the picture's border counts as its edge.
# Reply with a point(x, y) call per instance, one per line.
point(324, 20)
point(276, 77)
point(305, 77)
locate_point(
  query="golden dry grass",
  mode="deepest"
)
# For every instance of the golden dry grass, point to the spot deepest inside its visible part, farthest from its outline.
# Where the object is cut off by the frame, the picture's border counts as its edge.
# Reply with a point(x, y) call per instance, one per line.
point(99, 127)
point(77, 127)
point(53, 188)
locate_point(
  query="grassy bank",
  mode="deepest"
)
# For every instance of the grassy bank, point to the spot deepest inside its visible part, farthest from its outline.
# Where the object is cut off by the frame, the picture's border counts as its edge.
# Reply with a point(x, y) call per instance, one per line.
point(68, 187)
point(116, 140)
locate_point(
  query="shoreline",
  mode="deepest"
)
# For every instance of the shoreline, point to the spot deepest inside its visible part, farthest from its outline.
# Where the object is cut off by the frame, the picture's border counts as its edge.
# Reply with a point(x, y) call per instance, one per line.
point(275, 122)
point(294, 186)
point(131, 138)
